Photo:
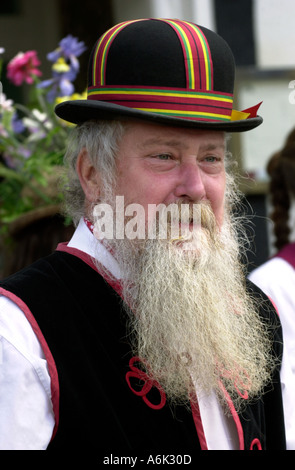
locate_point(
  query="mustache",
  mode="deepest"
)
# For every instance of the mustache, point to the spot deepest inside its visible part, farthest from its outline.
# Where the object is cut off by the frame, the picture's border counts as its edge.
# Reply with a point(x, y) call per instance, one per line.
point(188, 216)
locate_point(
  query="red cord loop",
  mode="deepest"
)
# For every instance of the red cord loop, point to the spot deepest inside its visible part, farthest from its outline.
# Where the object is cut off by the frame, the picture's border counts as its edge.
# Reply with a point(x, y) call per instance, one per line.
point(148, 384)
point(256, 442)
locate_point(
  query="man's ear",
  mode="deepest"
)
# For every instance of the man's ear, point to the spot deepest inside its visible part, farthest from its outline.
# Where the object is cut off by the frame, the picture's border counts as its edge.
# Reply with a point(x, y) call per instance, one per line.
point(89, 176)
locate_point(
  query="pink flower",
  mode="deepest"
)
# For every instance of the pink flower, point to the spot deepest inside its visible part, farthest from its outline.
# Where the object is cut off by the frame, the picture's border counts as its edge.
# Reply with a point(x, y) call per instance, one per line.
point(22, 68)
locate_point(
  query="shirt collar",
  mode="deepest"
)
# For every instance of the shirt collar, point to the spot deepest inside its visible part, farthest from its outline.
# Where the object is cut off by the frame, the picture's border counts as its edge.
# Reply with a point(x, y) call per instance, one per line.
point(84, 240)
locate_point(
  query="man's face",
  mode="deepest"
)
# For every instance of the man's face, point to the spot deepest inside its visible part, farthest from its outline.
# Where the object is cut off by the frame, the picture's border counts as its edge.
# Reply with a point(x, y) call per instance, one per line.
point(162, 165)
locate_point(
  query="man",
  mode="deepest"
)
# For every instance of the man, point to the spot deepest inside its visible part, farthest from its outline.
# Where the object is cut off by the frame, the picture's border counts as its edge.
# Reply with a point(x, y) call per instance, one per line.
point(125, 339)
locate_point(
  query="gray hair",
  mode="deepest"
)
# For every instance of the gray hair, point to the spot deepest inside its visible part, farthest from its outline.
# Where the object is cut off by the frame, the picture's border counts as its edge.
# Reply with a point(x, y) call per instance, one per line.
point(100, 139)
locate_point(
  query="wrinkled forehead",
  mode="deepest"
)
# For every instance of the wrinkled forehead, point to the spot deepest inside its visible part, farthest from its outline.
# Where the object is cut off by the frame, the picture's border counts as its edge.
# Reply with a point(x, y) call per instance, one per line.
point(145, 135)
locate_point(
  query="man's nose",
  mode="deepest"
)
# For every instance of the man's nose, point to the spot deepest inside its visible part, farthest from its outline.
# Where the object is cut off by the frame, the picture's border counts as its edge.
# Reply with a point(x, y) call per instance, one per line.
point(191, 185)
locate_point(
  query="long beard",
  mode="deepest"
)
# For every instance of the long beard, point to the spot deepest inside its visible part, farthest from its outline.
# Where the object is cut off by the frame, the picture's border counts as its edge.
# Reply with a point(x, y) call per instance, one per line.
point(190, 316)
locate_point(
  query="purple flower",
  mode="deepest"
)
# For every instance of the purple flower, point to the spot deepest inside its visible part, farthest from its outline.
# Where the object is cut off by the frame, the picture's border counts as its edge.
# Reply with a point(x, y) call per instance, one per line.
point(60, 85)
point(15, 162)
point(65, 68)
point(69, 48)
point(17, 124)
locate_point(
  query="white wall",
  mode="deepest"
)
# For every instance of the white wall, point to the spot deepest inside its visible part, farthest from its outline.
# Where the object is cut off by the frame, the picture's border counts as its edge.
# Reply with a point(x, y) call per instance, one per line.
point(274, 23)
point(274, 26)
point(198, 11)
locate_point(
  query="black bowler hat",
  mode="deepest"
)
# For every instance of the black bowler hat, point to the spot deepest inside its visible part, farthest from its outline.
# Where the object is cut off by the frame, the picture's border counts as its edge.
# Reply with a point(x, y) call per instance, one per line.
point(165, 71)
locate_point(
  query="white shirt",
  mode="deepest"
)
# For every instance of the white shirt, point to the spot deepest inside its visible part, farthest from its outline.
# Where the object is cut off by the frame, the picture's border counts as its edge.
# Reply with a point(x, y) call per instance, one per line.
point(276, 278)
point(26, 418)
point(26, 415)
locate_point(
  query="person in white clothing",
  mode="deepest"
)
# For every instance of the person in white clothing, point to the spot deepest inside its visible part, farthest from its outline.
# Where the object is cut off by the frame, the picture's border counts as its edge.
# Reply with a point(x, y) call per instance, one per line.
point(276, 277)
point(141, 333)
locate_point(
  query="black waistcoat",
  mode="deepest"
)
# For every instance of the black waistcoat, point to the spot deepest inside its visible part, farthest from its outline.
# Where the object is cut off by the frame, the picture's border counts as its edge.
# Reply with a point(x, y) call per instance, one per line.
point(82, 321)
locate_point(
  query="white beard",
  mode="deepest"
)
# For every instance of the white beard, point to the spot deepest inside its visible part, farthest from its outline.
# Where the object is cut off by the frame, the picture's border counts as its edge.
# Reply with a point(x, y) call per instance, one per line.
point(191, 319)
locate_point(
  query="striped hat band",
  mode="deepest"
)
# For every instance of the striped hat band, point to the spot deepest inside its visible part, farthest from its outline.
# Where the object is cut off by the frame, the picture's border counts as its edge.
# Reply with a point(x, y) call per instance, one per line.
point(181, 102)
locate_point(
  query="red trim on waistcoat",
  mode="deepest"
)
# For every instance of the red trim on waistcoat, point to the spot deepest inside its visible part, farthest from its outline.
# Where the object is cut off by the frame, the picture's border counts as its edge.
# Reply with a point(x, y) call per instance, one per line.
point(115, 284)
point(198, 423)
point(235, 416)
point(54, 384)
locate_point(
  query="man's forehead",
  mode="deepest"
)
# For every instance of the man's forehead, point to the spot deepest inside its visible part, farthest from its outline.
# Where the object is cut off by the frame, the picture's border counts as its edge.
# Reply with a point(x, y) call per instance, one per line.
point(209, 141)
point(149, 135)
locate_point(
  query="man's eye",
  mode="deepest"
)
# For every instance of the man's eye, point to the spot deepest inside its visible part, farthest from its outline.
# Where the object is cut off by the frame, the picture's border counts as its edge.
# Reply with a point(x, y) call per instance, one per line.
point(163, 156)
point(211, 159)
